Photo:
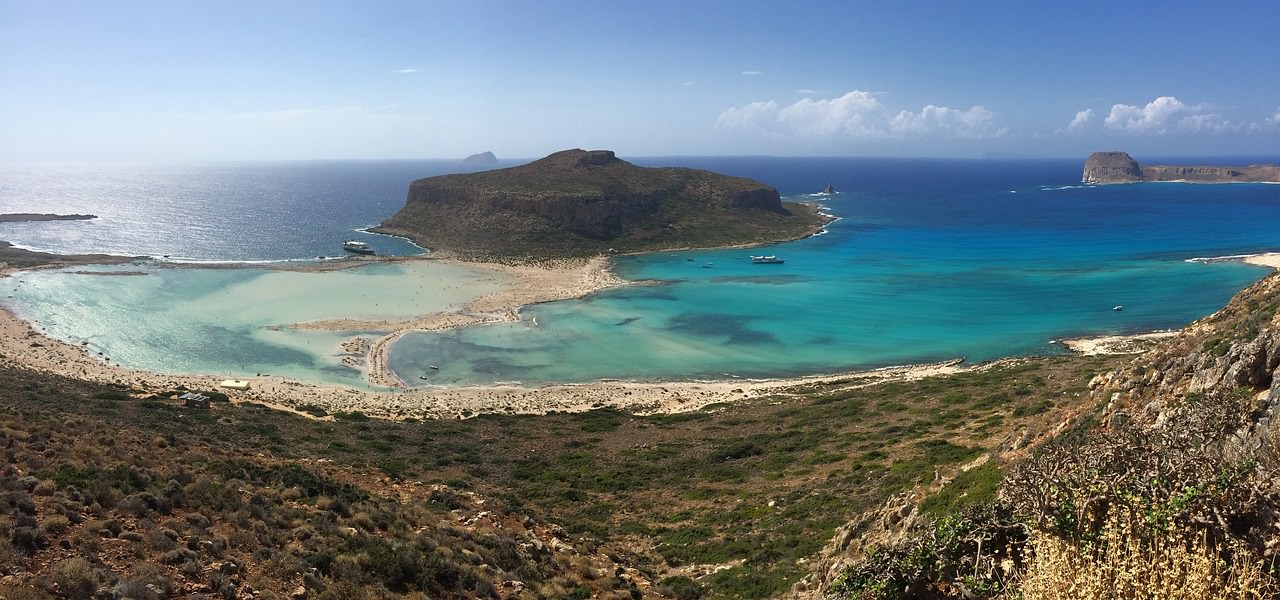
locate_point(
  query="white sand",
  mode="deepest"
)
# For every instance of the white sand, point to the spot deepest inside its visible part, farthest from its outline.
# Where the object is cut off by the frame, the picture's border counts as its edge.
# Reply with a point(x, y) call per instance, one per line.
point(1270, 259)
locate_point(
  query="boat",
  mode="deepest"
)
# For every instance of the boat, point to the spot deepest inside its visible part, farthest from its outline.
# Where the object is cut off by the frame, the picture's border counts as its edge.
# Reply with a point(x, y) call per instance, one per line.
point(357, 246)
point(829, 191)
point(766, 260)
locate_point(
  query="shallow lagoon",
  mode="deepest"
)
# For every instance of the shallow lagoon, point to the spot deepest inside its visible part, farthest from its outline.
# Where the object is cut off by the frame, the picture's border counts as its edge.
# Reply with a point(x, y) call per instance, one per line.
point(234, 321)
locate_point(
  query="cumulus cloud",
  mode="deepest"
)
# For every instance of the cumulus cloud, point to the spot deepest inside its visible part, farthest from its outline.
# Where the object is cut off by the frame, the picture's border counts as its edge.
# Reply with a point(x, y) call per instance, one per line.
point(977, 122)
point(1082, 117)
point(1167, 114)
point(858, 114)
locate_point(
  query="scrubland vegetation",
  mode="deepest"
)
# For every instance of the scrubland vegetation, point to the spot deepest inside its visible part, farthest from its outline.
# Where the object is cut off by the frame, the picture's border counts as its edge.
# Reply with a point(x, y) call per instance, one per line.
point(107, 494)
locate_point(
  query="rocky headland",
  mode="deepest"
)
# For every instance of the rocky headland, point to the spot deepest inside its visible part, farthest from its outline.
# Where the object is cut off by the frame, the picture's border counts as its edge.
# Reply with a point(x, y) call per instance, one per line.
point(1119, 167)
point(580, 203)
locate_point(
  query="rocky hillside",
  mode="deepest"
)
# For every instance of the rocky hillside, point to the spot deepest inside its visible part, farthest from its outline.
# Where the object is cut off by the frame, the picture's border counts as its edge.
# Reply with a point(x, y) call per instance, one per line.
point(1119, 167)
point(576, 203)
point(1174, 454)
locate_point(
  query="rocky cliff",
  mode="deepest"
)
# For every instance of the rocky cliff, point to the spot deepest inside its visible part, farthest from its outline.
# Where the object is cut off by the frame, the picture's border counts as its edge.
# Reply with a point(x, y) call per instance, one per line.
point(577, 202)
point(1119, 167)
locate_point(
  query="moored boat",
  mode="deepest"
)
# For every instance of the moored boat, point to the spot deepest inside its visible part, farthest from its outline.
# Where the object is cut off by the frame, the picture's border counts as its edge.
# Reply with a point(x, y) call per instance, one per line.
point(766, 260)
point(357, 246)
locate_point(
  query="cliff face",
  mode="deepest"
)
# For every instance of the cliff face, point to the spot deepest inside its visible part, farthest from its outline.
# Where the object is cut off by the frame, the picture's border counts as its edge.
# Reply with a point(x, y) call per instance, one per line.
point(1111, 167)
point(578, 202)
point(1119, 167)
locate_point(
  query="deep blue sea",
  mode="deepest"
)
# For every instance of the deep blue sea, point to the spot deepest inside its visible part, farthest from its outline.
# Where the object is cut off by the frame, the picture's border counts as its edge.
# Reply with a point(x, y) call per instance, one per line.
point(930, 260)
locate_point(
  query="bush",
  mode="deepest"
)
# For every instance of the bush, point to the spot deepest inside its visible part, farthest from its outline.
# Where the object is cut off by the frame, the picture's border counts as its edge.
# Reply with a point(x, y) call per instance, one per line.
point(75, 578)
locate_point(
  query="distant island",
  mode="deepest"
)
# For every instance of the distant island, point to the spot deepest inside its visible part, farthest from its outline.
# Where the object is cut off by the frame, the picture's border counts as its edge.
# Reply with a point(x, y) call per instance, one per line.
point(481, 159)
point(578, 203)
point(1119, 167)
point(27, 217)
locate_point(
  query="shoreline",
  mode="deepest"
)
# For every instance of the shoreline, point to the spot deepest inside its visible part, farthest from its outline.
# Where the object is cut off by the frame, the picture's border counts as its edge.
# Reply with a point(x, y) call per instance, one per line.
point(23, 346)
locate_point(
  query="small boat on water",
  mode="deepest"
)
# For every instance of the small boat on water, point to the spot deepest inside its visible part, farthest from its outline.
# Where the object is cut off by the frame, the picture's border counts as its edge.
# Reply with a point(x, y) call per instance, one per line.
point(766, 260)
point(357, 247)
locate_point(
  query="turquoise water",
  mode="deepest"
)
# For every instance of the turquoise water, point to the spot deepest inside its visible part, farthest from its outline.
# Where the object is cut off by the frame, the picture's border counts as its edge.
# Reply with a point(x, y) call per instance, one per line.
point(931, 260)
point(234, 322)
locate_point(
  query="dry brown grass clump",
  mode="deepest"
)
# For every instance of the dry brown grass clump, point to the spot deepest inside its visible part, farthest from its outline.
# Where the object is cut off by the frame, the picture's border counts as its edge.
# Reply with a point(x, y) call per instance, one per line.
point(1125, 563)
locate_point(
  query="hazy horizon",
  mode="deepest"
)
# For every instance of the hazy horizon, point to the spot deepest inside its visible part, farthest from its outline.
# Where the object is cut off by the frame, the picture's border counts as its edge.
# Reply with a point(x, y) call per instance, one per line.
point(151, 81)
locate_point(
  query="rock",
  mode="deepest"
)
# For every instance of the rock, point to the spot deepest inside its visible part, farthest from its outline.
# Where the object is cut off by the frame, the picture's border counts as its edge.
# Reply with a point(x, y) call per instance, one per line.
point(1111, 167)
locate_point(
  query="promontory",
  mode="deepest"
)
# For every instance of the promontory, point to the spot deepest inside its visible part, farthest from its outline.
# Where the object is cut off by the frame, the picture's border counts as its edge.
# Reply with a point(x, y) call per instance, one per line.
point(1119, 167)
point(581, 203)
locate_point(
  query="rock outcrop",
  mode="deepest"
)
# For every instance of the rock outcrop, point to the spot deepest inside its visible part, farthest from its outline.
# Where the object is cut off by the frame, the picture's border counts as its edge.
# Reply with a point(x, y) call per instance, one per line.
point(578, 203)
point(1119, 167)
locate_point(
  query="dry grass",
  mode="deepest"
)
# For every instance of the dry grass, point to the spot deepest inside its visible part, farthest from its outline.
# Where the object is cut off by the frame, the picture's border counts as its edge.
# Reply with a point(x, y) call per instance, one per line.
point(1125, 563)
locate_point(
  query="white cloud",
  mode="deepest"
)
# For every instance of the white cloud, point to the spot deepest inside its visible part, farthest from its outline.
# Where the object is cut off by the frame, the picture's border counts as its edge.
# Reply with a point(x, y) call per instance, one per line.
point(977, 122)
point(807, 92)
point(858, 114)
point(1167, 114)
point(1081, 118)
point(407, 71)
point(754, 116)
point(753, 72)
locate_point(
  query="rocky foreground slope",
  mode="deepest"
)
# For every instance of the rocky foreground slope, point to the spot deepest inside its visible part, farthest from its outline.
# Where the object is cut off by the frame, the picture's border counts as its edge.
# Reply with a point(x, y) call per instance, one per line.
point(579, 203)
point(1119, 167)
point(1176, 451)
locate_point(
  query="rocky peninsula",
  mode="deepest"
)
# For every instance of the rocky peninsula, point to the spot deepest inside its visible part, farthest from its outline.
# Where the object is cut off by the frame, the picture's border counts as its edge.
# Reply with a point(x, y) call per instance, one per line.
point(1119, 167)
point(579, 203)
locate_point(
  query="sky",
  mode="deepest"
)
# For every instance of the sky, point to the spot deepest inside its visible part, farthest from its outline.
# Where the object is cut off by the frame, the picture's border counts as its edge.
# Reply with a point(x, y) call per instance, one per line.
point(191, 80)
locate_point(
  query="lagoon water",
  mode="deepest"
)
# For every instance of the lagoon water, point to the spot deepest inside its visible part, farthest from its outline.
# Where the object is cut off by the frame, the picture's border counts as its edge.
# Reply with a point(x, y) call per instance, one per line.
point(931, 260)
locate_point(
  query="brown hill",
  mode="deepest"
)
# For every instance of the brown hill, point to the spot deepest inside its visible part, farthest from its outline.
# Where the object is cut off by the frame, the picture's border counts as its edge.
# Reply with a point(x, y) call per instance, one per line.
point(579, 203)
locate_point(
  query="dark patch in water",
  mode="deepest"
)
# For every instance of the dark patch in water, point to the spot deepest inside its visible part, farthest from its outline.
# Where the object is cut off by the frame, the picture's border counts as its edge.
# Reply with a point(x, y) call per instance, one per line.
point(627, 321)
point(221, 341)
point(767, 280)
point(734, 327)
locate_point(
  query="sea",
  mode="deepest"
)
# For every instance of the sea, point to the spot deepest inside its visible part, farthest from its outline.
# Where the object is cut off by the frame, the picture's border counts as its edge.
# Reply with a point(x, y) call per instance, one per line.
point(929, 260)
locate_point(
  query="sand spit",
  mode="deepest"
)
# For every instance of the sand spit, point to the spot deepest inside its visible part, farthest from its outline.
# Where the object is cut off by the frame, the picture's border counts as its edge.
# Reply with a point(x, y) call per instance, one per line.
point(1270, 259)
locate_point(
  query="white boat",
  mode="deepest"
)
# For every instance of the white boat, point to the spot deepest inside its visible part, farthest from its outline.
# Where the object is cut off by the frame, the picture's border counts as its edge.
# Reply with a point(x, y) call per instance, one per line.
point(766, 260)
point(357, 246)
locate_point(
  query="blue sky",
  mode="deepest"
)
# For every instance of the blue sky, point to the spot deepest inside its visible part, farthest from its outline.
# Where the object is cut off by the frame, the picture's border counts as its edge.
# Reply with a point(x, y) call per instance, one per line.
point(278, 79)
